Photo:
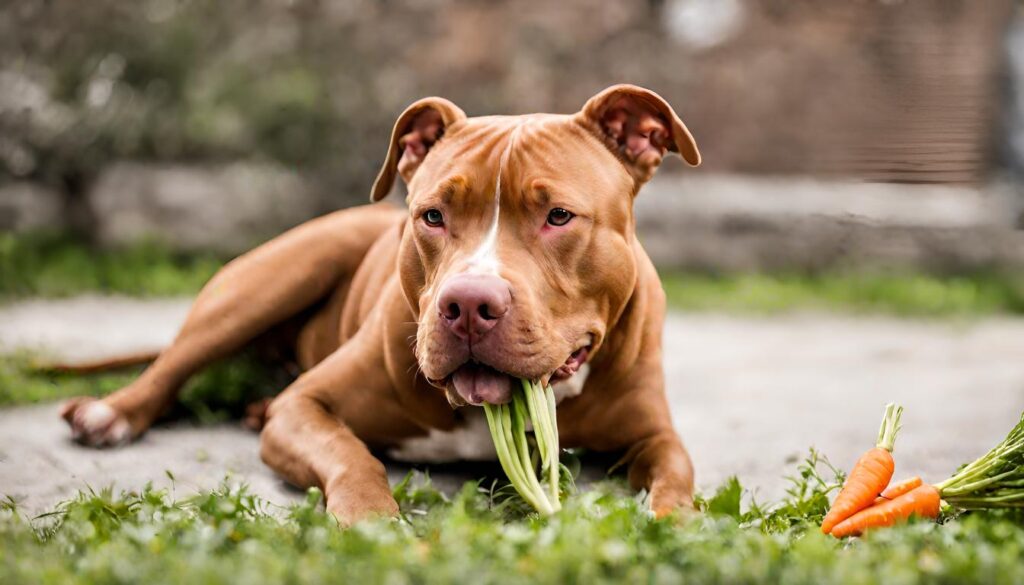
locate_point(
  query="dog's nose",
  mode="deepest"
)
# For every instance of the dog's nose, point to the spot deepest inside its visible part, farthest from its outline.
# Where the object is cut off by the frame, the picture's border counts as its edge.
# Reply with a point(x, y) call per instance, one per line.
point(472, 304)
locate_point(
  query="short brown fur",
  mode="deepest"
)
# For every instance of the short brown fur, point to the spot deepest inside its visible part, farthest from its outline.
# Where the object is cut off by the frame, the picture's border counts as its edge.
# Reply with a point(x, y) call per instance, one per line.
point(374, 354)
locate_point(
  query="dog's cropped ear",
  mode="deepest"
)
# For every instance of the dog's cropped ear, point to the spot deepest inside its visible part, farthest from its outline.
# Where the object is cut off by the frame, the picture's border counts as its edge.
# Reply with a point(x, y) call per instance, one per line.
point(640, 127)
point(420, 126)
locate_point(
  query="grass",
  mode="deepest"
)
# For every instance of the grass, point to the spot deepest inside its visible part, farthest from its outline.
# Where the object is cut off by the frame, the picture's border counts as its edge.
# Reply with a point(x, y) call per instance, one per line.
point(22, 383)
point(51, 265)
point(48, 265)
point(602, 535)
point(483, 535)
point(916, 295)
point(218, 392)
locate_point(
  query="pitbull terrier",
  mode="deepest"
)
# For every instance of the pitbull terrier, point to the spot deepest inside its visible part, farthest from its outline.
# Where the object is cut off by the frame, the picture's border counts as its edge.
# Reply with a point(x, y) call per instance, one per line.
point(516, 258)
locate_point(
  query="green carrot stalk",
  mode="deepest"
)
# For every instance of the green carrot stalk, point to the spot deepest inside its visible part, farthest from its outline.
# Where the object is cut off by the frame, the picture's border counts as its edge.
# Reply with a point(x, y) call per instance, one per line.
point(553, 463)
point(519, 436)
point(523, 468)
point(994, 480)
point(509, 463)
point(507, 423)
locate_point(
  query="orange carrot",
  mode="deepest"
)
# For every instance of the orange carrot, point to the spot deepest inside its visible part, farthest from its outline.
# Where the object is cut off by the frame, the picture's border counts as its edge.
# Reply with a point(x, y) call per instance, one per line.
point(869, 476)
point(898, 489)
point(924, 501)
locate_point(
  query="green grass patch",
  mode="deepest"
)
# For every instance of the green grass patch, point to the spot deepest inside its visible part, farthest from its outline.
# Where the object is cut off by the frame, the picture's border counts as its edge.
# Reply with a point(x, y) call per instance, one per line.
point(603, 535)
point(898, 294)
point(221, 391)
point(21, 382)
point(59, 265)
point(50, 265)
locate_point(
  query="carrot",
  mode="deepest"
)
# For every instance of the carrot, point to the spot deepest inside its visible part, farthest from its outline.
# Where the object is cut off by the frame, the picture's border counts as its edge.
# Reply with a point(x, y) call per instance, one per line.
point(924, 501)
point(869, 476)
point(898, 489)
point(994, 480)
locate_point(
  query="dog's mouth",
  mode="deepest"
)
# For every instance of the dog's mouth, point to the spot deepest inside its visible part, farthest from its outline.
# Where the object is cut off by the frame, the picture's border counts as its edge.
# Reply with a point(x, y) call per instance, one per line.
point(572, 364)
point(476, 383)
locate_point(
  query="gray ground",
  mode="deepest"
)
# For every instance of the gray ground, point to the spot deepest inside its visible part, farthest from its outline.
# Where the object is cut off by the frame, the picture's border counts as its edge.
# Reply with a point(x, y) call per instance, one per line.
point(748, 395)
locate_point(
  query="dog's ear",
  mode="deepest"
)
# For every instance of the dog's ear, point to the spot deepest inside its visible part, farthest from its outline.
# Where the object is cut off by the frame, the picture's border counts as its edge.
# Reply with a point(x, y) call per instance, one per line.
point(638, 126)
point(419, 127)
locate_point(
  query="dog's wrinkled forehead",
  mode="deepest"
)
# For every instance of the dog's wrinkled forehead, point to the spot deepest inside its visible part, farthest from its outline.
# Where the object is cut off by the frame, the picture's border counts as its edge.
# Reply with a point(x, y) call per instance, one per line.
point(636, 127)
point(480, 152)
point(484, 259)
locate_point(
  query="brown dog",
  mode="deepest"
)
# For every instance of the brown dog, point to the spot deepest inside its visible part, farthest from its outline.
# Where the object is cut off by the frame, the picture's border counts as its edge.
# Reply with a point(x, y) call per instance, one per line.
point(516, 258)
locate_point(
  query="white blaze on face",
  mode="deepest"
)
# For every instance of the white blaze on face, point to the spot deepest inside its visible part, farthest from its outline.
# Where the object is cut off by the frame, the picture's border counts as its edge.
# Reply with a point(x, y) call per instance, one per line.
point(484, 259)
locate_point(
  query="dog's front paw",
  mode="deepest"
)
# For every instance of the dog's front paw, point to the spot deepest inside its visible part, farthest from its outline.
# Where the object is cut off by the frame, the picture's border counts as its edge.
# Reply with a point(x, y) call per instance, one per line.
point(669, 498)
point(350, 505)
point(256, 414)
point(95, 423)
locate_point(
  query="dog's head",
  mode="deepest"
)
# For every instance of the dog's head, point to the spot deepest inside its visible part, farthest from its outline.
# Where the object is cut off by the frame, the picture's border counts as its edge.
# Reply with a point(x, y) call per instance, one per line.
point(518, 254)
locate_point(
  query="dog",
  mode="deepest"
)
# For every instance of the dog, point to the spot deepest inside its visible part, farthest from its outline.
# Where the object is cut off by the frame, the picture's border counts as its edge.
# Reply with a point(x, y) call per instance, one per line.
point(515, 258)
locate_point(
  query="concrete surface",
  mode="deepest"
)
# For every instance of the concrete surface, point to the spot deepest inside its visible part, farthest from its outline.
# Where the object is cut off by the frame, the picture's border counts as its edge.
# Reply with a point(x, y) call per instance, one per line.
point(748, 394)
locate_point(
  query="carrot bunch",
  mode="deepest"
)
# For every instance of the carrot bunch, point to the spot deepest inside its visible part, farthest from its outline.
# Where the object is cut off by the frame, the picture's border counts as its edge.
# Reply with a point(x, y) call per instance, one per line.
point(869, 476)
point(995, 480)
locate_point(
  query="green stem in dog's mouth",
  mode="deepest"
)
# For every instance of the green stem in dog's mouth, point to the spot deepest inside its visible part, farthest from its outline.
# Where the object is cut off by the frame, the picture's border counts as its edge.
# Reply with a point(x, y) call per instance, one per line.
point(507, 422)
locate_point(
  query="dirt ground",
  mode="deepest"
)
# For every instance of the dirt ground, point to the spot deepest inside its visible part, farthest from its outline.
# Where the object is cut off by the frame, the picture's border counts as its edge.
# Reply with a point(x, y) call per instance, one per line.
point(748, 395)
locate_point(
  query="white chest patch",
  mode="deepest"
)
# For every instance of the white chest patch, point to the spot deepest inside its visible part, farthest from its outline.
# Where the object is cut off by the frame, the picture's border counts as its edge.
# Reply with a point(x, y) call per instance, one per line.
point(573, 386)
point(469, 442)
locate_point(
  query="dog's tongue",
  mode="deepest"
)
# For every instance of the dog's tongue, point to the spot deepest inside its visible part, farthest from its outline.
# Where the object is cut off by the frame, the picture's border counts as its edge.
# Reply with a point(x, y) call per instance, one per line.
point(477, 384)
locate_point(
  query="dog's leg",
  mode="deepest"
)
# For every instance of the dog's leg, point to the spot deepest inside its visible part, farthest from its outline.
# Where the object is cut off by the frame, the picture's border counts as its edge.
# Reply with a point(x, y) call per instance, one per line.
point(307, 441)
point(248, 296)
point(660, 464)
point(628, 411)
point(639, 423)
point(309, 447)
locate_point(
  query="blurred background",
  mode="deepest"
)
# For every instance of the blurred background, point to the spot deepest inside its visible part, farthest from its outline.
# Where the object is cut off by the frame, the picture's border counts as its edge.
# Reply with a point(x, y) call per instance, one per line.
point(880, 133)
point(854, 236)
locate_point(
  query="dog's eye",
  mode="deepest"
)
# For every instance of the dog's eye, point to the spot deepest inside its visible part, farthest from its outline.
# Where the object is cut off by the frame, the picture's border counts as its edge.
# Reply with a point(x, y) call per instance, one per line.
point(433, 218)
point(559, 216)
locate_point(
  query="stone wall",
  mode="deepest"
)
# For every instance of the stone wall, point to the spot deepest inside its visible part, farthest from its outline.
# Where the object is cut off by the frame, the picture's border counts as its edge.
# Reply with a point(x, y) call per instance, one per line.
point(214, 124)
point(729, 223)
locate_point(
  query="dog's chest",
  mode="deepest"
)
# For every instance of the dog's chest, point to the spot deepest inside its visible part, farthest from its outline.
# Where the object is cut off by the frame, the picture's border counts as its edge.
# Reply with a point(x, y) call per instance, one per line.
point(470, 441)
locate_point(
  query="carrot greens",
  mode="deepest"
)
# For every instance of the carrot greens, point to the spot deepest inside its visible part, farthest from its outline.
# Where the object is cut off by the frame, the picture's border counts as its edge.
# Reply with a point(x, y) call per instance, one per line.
point(994, 480)
point(507, 423)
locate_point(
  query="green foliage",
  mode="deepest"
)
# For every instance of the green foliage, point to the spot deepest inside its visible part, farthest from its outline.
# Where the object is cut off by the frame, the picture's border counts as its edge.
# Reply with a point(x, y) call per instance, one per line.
point(993, 480)
point(175, 81)
point(805, 504)
point(224, 389)
point(602, 535)
point(507, 423)
point(806, 501)
point(901, 294)
point(58, 265)
point(22, 383)
point(726, 501)
point(52, 265)
point(220, 391)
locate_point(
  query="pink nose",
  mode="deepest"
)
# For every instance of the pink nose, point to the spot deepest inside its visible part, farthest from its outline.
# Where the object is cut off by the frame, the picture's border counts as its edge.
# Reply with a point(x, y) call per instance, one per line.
point(471, 304)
